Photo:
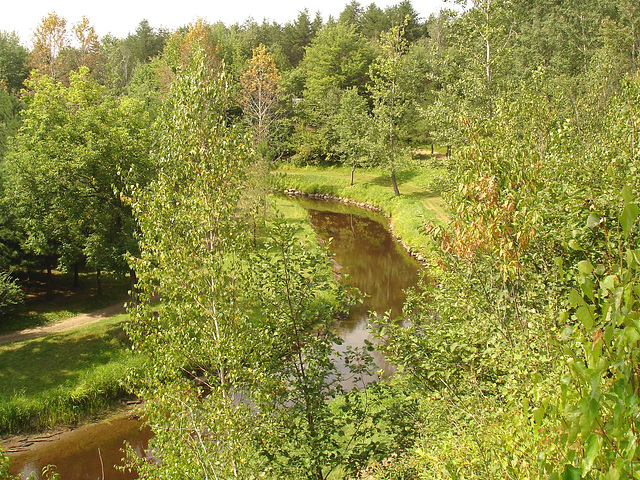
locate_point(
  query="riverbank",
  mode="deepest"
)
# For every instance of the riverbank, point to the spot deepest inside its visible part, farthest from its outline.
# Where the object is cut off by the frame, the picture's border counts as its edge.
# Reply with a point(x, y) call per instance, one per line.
point(91, 450)
point(418, 203)
point(62, 377)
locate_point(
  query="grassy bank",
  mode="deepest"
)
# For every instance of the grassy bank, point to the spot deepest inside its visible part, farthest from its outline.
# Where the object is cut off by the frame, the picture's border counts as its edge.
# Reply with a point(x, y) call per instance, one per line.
point(417, 203)
point(62, 377)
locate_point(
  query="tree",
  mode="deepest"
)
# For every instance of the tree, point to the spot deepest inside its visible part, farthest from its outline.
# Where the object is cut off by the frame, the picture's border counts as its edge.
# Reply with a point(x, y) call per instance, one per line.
point(352, 15)
point(492, 22)
point(49, 41)
point(403, 11)
point(338, 57)
point(374, 22)
point(351, 126)
point(389, 101)
point(76, 154)
point(121, 57)
point(13, 61)
point(189, 233)
point(241, 337)
point(11, 296)
point(261, 93)
point(88, 45)
point(10, 107)
point(145, 43)
point(298, 35)
point(181, 44)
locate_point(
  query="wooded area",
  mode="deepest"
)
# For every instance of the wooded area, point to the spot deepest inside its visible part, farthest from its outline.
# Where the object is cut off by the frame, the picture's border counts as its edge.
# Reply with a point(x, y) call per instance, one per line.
point(518, 354)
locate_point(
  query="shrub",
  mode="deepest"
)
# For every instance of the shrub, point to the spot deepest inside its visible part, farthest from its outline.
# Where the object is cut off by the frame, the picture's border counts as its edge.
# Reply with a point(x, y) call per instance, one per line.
point(11, 296)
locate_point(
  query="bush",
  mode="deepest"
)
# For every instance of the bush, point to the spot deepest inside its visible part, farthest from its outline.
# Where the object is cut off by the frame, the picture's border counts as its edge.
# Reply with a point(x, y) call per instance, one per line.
point(11, 296)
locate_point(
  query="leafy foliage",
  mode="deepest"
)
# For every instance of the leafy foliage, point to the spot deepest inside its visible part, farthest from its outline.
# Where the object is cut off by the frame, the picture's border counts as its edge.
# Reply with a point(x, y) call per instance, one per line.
point(11, 296)
point(261, 93)
point(78, 150)
point(389, 101)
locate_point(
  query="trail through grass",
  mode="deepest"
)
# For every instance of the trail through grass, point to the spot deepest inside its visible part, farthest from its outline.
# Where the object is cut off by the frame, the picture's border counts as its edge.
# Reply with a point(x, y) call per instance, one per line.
point(50, 298)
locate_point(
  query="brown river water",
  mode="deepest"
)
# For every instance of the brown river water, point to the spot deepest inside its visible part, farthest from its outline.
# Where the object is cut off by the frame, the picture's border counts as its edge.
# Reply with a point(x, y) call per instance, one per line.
point(366, 255)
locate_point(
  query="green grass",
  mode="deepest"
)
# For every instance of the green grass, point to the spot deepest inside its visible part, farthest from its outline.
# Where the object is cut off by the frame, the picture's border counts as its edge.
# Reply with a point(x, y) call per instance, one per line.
point(49, 299)
point(297, 216)
point(61, 377)
point(417, 203)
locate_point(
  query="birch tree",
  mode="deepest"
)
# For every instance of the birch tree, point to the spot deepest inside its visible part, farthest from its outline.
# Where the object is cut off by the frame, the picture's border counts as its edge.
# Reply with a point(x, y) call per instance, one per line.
point(261, 93)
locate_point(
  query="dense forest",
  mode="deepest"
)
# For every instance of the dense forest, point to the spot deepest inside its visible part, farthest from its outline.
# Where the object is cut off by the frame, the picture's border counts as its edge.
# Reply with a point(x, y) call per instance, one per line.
point(519, 350)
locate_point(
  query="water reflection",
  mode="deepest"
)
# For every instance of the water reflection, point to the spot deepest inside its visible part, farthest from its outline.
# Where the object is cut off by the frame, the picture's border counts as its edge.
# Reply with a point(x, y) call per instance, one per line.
point(370, 259)
point(90, 452)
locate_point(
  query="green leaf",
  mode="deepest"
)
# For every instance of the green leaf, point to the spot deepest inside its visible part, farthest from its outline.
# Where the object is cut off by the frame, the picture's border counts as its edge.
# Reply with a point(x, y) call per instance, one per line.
point(627, 194)
point(587, 288)
point(538, 415)
point(594, 443)
point(608, 282)
point(631, 334)
point(574, 245)
point(628, 217)
point(558, 261)
point(571, 473)
point(585, 267)
point(593, 220)
point(575, 298)
point(585, 315)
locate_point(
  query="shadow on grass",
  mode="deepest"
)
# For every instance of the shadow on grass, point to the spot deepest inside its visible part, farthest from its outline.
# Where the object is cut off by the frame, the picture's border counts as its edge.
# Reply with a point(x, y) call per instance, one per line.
point(53, 298)
point(56, 360)
point(404, 177)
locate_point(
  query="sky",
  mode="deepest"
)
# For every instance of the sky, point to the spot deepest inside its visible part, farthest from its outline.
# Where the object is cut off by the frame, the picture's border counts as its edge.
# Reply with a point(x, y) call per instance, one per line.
point(120, 17)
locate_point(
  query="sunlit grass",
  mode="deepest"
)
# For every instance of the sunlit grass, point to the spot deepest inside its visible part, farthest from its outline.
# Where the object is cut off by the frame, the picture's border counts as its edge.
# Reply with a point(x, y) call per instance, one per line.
point(60, 377)
point(53, 298)
point(417, 203)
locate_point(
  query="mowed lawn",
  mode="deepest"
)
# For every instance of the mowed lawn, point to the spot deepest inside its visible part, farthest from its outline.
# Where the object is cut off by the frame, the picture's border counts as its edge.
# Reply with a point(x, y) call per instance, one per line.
point(59, 377)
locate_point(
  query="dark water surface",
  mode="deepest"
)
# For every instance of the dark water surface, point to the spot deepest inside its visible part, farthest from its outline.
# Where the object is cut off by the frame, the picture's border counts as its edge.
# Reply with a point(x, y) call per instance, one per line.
point(367, 258)
point(88, 453)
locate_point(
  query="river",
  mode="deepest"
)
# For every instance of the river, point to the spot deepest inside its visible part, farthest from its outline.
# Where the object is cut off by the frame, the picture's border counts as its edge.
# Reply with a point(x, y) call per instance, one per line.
point(367, 256)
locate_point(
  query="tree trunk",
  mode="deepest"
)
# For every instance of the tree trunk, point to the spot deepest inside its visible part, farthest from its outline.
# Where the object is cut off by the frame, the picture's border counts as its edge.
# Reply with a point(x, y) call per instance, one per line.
point(396, 192)
point(353, 169)
point(99, 281)
point(49, 283)
point(76, 276)
point(432, 149)
point(449, 151)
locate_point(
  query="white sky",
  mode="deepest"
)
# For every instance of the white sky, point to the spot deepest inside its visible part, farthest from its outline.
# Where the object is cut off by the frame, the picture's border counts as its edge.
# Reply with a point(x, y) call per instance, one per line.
point(121, 17)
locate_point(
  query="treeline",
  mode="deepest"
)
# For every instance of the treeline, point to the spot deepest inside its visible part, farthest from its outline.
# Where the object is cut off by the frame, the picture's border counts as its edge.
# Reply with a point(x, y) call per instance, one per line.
point(520, 357)
point(62, 191)
point(344, 92)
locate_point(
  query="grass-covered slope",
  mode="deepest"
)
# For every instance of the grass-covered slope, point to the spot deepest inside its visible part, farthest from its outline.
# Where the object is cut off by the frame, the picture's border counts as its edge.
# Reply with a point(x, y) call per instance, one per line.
point(418, 201)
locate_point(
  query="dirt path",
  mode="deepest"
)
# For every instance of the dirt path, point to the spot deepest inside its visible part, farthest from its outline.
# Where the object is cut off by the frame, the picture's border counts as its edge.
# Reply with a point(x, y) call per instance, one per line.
point(63, 325)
